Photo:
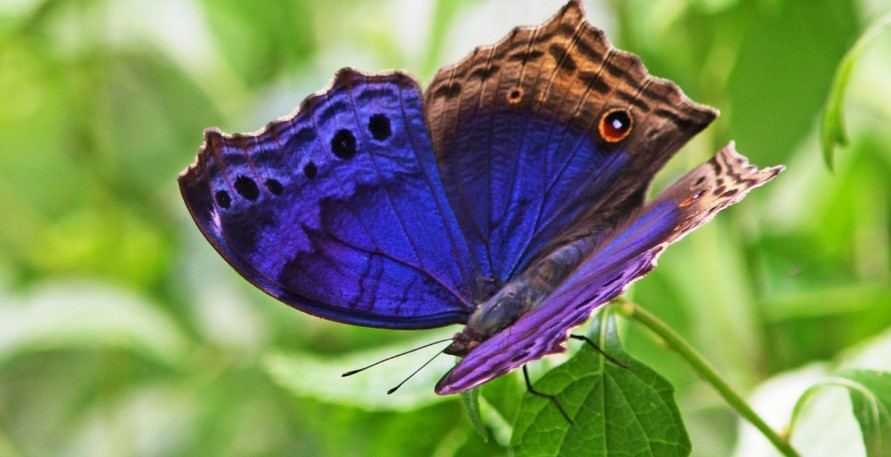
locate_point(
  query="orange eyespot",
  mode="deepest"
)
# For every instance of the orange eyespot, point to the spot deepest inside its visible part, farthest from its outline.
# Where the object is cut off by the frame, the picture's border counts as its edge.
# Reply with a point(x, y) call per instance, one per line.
point(615, 125)
point(515, 95)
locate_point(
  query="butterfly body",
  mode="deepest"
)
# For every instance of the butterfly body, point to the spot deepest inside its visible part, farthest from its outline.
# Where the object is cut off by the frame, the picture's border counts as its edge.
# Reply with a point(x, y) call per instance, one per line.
point(520, 296)
point(508, 196)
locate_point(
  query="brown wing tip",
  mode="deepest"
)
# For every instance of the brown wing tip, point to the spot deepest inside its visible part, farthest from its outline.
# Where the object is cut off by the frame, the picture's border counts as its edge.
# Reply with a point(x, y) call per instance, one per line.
point(573, 13)
point(572, 9)
point(698, 115)
point(722, 181)
point(730, 157)
point(693, 116)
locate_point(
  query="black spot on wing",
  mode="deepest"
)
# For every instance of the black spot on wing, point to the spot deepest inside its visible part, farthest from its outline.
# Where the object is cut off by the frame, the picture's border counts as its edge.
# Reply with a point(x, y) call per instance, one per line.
point(274, 186)
point(484, 73)
point(564, 60)
point(223, 199)
point(586, 50)
point(247, 188)
point(379, 126)
point(343, 144)
point(566, 29)
point(525, 56)
point(613, 69)
point(594, 81)
point(448, 91)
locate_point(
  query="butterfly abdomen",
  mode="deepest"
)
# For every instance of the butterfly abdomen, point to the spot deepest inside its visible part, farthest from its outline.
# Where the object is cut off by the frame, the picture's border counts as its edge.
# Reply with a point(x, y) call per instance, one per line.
point(523, 294)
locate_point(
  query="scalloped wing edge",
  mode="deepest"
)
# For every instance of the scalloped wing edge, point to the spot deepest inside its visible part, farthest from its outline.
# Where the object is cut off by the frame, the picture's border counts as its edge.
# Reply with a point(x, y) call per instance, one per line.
point(576, 10)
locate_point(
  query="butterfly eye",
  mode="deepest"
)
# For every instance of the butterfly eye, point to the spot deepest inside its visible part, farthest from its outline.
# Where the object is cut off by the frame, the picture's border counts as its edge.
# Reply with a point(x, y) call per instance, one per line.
point(615, 125)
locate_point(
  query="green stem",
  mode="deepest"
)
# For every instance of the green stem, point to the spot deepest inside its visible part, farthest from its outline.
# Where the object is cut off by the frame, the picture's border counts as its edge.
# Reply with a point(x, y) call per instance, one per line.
point(705, 371)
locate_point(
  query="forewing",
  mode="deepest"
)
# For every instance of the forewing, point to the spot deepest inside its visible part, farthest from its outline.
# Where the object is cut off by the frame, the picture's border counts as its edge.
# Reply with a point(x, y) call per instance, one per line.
point(515, 127)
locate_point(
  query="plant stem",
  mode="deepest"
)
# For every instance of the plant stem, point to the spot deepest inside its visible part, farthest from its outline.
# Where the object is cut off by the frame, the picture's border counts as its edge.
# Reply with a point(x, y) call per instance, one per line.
point(705, 370)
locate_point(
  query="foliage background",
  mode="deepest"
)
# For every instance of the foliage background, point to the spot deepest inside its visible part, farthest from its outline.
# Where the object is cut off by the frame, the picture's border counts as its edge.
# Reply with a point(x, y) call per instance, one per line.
point(123, 333)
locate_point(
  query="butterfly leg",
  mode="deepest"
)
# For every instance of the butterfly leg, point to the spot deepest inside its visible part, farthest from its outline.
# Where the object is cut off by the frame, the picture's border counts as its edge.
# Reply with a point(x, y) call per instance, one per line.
point(552, 398)
point(598, 349)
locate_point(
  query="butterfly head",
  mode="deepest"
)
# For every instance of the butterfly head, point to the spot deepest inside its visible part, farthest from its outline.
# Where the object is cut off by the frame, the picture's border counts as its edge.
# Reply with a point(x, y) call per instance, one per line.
point(462, 343)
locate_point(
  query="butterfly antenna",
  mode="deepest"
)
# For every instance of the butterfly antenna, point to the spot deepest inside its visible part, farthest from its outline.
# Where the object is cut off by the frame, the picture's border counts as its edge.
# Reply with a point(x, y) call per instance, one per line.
point(415, 372)
point(598, 349)
point(352, 372)
point(552, 398)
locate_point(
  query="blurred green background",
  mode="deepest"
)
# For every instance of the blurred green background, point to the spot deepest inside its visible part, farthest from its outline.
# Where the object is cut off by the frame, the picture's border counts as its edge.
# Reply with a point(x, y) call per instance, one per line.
point(123, 334)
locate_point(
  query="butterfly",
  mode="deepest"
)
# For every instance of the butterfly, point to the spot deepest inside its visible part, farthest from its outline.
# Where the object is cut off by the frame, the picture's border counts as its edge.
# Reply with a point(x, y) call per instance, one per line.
point(508, 196)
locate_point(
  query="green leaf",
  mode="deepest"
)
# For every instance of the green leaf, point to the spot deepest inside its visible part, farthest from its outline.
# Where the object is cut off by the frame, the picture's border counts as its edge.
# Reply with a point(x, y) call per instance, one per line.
point(320, 377)
point(503, 394)
point(871, 402)
point(87, 315)
point(832, 129)
point(614, 410)
point(471, 401)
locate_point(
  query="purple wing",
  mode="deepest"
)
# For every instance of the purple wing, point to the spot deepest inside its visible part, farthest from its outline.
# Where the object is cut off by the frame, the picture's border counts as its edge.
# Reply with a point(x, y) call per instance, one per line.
point(628, 254)
point(338, 210)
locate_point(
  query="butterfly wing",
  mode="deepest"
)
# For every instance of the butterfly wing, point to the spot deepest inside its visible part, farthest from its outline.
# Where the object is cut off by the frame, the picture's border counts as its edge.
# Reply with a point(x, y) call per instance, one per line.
point(515, 127)
point(338, 210)
point(626, 255)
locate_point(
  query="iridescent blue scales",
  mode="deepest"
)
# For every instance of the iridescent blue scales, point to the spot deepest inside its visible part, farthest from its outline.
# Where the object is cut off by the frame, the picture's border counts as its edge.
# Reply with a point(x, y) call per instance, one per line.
point(509, 196)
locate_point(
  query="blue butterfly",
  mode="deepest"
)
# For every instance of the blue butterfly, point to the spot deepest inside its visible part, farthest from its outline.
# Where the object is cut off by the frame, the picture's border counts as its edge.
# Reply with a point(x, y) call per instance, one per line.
point(508, 196)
